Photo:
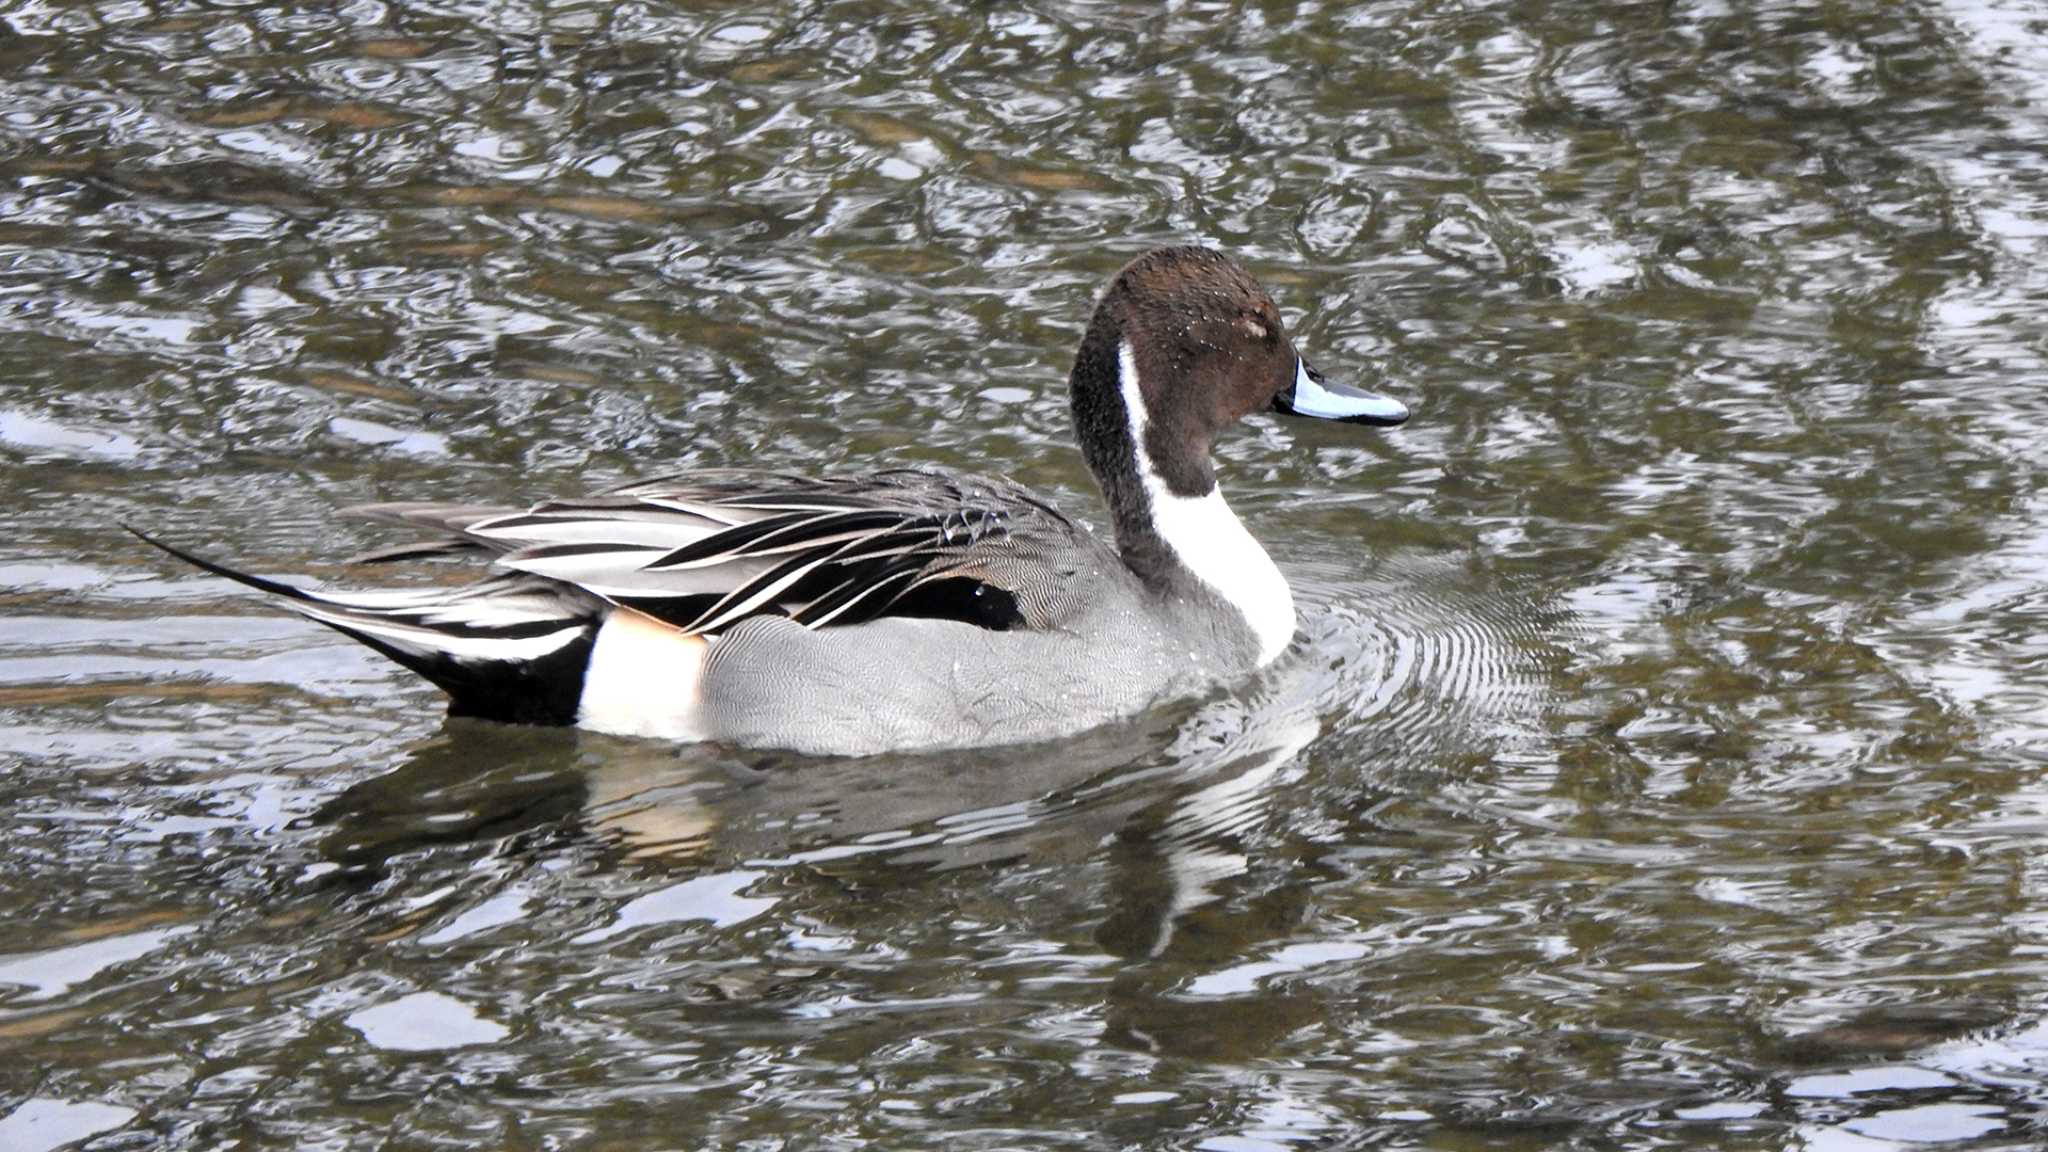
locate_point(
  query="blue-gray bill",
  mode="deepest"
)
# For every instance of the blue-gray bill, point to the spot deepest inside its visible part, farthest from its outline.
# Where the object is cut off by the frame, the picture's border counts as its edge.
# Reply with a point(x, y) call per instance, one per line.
point(1311, 395)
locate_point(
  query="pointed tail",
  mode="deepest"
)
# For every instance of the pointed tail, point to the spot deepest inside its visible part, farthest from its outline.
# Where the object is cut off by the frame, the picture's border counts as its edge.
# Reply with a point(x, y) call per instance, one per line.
point(510, 647)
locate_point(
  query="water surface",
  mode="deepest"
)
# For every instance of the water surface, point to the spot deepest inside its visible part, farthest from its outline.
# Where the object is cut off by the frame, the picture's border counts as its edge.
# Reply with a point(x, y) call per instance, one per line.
point(1660, 763)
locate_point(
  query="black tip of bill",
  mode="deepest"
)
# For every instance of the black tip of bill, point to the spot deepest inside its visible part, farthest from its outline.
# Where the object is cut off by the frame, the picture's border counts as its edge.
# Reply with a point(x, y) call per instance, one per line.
point(1311, 395)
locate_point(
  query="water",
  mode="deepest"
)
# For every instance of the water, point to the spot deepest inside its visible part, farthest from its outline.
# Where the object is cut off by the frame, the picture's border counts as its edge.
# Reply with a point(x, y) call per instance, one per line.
point(1661, 764)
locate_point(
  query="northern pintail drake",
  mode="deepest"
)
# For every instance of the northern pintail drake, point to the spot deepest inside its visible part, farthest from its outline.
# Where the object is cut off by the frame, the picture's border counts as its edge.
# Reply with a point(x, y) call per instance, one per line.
point(902, 609)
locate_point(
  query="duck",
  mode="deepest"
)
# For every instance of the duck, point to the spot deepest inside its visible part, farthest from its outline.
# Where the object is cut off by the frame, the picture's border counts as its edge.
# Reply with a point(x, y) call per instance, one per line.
point(905, 609)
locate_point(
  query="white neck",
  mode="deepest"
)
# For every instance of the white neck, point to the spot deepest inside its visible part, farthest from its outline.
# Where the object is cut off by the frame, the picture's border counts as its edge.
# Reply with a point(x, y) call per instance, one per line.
point(1208, 538)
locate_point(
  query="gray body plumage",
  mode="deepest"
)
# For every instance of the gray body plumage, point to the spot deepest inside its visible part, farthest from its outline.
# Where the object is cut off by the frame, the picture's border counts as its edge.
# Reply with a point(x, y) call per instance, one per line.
point(900, 683)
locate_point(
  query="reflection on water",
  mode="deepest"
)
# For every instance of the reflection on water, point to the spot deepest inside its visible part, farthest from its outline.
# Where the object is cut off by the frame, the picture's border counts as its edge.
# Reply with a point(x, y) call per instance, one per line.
point(1659, 765)
point(423, 1022)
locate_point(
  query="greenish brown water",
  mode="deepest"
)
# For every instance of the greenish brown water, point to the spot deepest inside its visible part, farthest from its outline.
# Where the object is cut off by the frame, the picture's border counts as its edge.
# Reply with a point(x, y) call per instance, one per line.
point(1661, 765)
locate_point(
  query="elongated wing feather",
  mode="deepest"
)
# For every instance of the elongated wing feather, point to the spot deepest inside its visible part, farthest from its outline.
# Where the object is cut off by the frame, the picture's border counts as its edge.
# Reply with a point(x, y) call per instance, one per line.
point(703, 550)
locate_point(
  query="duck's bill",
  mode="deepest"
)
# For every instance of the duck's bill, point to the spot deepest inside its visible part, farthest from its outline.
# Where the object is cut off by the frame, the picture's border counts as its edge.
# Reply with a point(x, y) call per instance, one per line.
point(1311, 395)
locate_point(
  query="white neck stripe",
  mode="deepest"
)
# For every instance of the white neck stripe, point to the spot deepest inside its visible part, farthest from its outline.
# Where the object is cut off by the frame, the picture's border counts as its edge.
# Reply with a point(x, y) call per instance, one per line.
point(1207, 536)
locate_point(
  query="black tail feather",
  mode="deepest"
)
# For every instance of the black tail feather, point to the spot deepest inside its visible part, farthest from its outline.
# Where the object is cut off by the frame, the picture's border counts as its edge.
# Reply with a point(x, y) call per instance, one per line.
point(275, 587)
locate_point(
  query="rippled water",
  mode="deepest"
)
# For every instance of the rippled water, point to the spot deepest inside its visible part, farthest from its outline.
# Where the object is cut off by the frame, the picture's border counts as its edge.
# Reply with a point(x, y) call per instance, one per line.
point(1661, 764)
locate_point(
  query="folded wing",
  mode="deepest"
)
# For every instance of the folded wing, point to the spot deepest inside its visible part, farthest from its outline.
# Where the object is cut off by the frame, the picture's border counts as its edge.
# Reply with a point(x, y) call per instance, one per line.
point(703, 550)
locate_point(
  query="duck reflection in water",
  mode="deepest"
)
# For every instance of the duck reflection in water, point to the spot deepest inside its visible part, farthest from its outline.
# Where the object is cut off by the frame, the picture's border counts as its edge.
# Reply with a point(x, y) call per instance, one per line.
point(1174, 826)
